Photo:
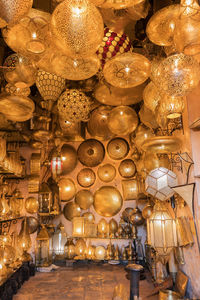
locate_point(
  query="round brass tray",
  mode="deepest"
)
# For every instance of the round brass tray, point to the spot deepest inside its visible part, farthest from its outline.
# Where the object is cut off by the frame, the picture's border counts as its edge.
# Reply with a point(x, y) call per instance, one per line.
point(162, 144)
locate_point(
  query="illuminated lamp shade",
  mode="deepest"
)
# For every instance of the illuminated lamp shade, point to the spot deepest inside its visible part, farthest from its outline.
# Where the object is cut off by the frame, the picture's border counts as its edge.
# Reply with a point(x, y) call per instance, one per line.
point(127, 70)
point(171, 107)
point(31, 35)
point(16, 108)
point(84, 198)
point(80, 248)
point(56, 165)
point(107, 201)
point(59, 239)
point(159, 183)
point(12, 11)
point(97, 125)
point(75, 68)
point(67, 189)
point(13, 90)
point(147, 117)
point(86, 177)
point(115, 4)
point(127, 168)
point(118, 148)
point(31, 205)
point(19, 71)
point(100, 253)
point(151, 96)
point(177, 75)
point(69, 158)
point(160, 27)
point(89, 217)
point(25, 240)
point(162, 144)
point(113, 227)
point(112, 44)
point(110, 95)
point(106, 173)
point(140, 134)
point(77, 27)
point(122, 120)
point(187, 28)
point(49, 85)
point(102, 228)
point(78, 226)
point(74, 105)
point(161, 230)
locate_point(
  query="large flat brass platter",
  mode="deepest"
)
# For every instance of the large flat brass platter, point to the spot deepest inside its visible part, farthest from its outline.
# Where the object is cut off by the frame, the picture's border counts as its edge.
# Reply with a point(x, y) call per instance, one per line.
point(71, 210)
point(16, 108)
point(162, 144)
point(107, 201)
point(117, 148)
point(91, 153)
point(160, 27)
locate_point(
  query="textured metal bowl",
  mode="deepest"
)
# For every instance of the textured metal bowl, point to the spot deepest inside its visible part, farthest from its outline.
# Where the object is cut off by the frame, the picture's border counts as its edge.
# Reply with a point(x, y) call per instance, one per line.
point(106, 173)
point(71, 210)
point(118, 148)
point(91, 153)
point(84, 198)
point(86, 177)
point(162, 144)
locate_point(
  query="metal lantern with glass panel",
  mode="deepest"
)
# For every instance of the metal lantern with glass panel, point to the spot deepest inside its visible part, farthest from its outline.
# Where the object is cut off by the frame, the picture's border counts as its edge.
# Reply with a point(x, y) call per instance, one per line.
point(45, 199)
point(161, 230)
point(43, 256)
point(59, 240)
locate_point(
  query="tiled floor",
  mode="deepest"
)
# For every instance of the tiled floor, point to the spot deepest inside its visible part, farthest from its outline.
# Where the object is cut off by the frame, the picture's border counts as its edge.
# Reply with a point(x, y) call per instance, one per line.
point(85, 282)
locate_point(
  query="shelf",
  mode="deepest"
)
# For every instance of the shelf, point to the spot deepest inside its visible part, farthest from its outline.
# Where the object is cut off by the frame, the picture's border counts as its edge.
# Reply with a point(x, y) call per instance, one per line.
point(101, 238)
point(11, 219)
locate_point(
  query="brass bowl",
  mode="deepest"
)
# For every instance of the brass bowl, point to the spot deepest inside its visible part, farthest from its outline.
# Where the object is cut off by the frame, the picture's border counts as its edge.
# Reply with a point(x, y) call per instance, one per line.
point(69, 158)
point(84, 199)
point(67, 189)
point(32, 224)
point(127, 168)
point(127, 213)
point(71, 210)
point(162, 144)
point(107, 201)
point(136, 217)
point(86, 177)
point(91, 153)
point(118, 148)
point(106, 173)
point(31, 205)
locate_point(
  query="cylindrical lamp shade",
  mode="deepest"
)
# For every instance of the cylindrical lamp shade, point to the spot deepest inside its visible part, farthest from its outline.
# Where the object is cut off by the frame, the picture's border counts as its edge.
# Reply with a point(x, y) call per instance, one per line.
point(161, 230)
point(56, 165)
point(77, 27)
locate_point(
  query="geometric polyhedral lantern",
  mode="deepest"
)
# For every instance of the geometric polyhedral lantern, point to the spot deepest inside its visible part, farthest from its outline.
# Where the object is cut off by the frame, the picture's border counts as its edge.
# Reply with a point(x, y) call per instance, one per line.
point(159, 182)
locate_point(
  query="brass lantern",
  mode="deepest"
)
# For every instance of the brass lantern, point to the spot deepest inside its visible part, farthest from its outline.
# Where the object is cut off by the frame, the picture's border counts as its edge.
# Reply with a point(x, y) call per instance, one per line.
point(59, 240)
point(42, 251)
point(78, 226)
point(171, 107)
point(24, 240)
point(161, 230)
point(45, 199)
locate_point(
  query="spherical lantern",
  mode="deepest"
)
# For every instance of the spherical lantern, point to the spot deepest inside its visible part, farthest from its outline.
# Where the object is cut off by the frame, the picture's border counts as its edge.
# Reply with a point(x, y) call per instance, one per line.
point(75, 68)
point(13, 90)
point(31, 35)
point(107, 201)
point(91, 153)
point(98, 123)
point(19, 71)
point(161, 230)
point(151, 96)
point(177, 74)
point(100, 253)
point(110, 95)
point(127, 70)
point(147, 117)
point(89, 217)
point(142, 133)
point(74, 106)
point(77, 27)
point(16, 108)
point(31, 205)
point(49, 85)
point(69, 158)
point(112, 44)
point(160, 28)
point(71, 210)
point(122, 120)
point(86, 177)
point(117, 148)
point(159, 182)
point(106, 173)
point(12, 11)
point(67, 189)
point(127, 168)
point(171, 107)
point(84, 199)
